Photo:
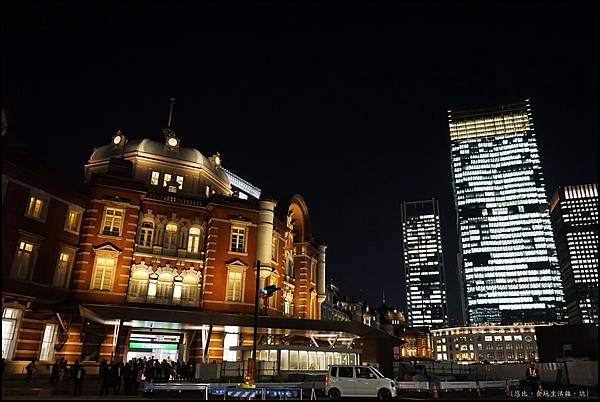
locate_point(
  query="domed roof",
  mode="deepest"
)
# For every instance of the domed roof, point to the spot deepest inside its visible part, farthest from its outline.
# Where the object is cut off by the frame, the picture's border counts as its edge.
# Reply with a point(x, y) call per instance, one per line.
point(145, 145)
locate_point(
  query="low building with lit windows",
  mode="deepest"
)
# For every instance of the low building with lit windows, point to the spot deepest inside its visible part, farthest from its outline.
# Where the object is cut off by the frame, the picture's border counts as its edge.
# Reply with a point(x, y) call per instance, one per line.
point(485, 343)
point(418, 344)
point(158, 257)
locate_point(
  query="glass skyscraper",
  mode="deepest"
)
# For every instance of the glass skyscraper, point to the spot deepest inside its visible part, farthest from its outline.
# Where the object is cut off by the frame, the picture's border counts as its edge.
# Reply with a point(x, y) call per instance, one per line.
point(507, 255)
point(574, 214)
point(424, 264)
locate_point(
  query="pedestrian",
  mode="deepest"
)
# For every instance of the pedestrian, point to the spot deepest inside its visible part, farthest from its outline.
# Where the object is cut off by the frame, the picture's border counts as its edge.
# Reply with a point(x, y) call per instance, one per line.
point(63, 369)
point(117, 376)
point(30, 368)
point(533, 377)
point(54, 373)
point(78, 377)
point(104, 377)
point(74, 369)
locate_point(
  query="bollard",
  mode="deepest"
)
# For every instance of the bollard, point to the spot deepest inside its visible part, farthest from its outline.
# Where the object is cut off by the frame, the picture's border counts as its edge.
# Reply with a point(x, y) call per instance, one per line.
point(435, 394)
point(477, 390)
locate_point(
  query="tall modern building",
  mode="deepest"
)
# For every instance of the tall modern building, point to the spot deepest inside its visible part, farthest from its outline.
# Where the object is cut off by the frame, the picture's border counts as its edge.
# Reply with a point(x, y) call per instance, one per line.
point(424, 264)
point(574, 214)
point(507, 255)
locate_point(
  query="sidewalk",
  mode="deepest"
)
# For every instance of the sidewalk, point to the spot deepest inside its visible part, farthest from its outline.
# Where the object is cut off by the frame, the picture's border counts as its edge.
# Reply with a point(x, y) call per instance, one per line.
point(41, 388)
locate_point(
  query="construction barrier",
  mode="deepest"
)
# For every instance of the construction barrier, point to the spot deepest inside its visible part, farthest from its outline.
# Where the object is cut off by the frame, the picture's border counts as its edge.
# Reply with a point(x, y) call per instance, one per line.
point(414, 385)
point(447, 385)
point(492, 384)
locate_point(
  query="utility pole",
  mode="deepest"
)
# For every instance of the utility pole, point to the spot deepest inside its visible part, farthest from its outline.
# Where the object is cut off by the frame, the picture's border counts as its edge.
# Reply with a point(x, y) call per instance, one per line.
point(250, 378)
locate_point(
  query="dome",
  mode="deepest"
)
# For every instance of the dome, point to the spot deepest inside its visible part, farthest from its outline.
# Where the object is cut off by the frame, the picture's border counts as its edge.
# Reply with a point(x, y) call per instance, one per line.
point(145, 145)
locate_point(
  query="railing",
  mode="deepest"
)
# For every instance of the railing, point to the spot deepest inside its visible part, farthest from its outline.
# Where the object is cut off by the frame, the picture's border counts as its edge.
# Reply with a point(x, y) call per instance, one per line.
point(169, 301)
point(177, 200)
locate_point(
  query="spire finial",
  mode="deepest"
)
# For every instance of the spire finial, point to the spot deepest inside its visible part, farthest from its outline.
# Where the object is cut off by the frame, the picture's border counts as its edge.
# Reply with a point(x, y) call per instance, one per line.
point(383, 301)
point(170, 112)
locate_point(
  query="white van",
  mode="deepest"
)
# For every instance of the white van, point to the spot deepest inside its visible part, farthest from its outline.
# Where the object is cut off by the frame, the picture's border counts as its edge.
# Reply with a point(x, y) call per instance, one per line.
point(344, 381)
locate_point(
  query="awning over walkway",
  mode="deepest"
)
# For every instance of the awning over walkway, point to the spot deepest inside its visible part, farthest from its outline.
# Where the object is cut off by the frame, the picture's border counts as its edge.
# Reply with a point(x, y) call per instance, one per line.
point(165, 317)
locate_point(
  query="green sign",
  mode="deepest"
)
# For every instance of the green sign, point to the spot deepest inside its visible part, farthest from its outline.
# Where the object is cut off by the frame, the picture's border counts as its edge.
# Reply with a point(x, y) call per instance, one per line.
point(139, 345)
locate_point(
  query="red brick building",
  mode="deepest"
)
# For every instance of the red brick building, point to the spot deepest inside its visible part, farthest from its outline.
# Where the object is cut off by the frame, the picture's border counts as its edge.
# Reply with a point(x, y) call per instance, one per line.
point(155, 225)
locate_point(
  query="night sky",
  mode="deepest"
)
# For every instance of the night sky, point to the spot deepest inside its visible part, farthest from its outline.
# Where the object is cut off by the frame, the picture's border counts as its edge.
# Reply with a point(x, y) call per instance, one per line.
point(345, 105)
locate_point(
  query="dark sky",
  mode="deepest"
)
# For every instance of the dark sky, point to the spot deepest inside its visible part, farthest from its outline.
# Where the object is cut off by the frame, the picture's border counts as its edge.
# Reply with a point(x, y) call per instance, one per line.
point(343, 104)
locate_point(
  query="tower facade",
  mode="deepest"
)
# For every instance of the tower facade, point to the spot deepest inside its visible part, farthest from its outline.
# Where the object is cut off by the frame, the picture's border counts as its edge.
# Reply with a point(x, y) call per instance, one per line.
point(507, 256)
point(574, 214)
point(424, 264)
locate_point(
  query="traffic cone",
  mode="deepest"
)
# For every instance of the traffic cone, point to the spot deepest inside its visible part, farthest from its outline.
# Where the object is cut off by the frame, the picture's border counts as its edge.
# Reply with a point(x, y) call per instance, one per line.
point(477, 390)
point(507, 391)
point(540, 391)
point(435, 394)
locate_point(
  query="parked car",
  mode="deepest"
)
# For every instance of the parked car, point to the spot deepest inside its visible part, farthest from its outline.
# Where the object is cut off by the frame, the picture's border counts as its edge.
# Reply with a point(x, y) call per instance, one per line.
point(344, 381)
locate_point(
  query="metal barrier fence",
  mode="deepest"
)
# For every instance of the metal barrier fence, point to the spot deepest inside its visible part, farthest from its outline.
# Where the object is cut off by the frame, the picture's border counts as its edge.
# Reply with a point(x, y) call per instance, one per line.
point(229, 391)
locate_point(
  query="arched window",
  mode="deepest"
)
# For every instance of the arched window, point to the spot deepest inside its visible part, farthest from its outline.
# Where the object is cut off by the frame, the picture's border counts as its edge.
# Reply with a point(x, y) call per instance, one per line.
point(138, 286)
point(289, 267)
point(194, 240)
point(190, 291)
point(164, 288)
point(147, 234)
point(170, 236)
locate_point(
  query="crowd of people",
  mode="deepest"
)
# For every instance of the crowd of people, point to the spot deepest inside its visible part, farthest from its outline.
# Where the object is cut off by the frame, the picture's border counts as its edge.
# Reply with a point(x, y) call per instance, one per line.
point(116, 374)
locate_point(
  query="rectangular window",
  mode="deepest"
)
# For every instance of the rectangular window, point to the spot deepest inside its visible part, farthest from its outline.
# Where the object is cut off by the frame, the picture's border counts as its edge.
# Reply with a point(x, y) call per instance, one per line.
point(112, 222)
point(10, 319)
point(166, 179)
point(237, 239)
point(62, 269)
point(154, 178)
point(104, 273)
point(35, 209)
point(234, 286)
point(24, 260)
point(180, 181)
point(274, 248)
point(47, 350)
point(73, 220)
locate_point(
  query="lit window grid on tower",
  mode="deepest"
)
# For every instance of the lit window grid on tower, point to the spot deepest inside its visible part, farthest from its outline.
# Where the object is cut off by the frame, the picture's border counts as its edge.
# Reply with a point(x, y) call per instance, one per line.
point(574, 212)
point(423, 261)
point(510, 270)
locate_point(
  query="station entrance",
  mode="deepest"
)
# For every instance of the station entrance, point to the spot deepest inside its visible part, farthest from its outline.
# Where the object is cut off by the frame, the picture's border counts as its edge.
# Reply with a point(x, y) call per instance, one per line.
point(161, 346)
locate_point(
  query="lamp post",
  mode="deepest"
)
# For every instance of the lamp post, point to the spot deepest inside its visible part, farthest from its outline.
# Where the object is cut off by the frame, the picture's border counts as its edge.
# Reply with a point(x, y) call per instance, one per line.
point(250, 377)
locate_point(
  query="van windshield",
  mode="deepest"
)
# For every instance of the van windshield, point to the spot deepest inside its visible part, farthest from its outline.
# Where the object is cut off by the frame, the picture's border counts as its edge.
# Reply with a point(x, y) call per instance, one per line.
point(377, 372)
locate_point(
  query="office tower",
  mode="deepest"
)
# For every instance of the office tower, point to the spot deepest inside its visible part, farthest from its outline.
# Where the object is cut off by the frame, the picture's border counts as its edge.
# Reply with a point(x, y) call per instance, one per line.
point(507, 255)
point(574, 214)
point(424, 264)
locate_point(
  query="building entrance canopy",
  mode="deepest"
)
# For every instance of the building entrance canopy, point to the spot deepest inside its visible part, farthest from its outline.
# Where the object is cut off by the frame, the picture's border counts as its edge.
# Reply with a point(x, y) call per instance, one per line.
point(165, 318)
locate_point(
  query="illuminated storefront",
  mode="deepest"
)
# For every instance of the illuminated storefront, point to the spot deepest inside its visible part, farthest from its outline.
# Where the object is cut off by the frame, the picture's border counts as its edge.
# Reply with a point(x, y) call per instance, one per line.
point(507, 255)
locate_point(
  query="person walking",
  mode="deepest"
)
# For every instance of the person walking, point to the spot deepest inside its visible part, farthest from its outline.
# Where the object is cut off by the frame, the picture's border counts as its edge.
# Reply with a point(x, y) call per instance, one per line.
point(78, 377)
point(117, 376)
point(533, 377)
point(30, 368)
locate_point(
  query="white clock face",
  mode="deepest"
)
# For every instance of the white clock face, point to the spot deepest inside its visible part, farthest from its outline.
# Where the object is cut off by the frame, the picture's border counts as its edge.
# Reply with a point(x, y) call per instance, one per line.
point(172, 142)
point(117, 140)
point(217, 160)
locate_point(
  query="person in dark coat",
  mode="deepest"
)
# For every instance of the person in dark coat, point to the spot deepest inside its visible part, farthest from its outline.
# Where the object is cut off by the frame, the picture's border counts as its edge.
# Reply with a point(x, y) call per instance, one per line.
point(117, 376)
point(30, 369)
point(55, 372)
point(104, 377)
point(78, 377)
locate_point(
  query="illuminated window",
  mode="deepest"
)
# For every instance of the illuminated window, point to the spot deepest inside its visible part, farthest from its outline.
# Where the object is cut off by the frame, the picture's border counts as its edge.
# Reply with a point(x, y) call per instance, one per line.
point(154, 178)
point(24, 259)
point(146, 234)
point(166, 179)
point(180, 181)
point(10, 323)
point(231, 340)
point(194, 240)
point(274, 248)
point(73, 220)
point(104, 270)
point(63, 267)
point(238, 235)
point(113, 218)
point(35, 208)
point(234, 285)
point(170, 236)
point(47, 349)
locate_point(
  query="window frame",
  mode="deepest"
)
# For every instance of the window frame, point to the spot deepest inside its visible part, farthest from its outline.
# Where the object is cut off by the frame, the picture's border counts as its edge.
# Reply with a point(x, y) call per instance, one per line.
point(8, 353)
point(104, 219)
point(236, 268)
point(171, 235)
point(244, 237)
point(105, 254)
point(34, 240)
point(144, 233)
point(194, 236)
point(38, 195)
point(71, 252)
point(49, 344)
point(79, 212)
point(152, 183)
